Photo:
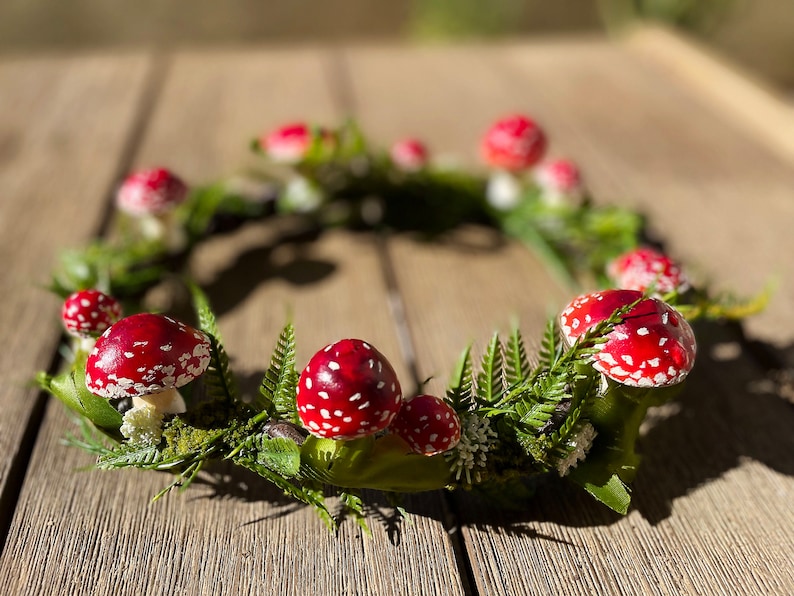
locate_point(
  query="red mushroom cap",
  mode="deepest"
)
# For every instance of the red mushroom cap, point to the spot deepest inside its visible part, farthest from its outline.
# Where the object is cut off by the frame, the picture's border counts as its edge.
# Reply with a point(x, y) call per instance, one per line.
point(643, 268)
point(289, 144)
point(428, 424)
point(144, 354)
point(513, 143)
point(653, 346)
point(88, 313)
point(409, 154)
point(151, 191)
point(348, 390)
point(560, 176)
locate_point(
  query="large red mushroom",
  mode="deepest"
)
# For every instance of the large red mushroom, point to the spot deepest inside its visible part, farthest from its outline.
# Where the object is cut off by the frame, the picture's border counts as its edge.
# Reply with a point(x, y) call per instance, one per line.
point(147, 357)
point(348, 390)
point(652, 346)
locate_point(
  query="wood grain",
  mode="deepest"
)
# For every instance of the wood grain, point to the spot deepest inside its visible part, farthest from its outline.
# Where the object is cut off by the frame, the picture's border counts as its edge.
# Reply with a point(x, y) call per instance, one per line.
point(64, 125)
point(235, 534)
point(711, 510)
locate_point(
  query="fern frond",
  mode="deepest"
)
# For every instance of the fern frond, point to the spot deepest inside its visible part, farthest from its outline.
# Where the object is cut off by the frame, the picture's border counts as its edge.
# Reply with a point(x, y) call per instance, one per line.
point(460, 392)
point(128, 455)
point(517, 367)
point(304, 494)
point(277, 392)
point(218, 379)
point(353, 503)
point(490, 383)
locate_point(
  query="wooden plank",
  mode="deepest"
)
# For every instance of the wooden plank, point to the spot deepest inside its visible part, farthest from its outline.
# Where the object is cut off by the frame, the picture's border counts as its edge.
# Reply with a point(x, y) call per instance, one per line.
point(763, 110)
point(64, 123)
point(711, 512)
point(648, 141)
point(235, 534)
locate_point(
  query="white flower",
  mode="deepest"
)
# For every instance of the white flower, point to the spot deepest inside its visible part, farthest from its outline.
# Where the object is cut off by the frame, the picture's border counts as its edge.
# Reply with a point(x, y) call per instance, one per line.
point(142, 425)
point(476, 440)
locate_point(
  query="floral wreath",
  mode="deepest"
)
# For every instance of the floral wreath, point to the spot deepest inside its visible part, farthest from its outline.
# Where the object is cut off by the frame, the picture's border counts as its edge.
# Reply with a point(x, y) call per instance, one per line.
point(156, 393)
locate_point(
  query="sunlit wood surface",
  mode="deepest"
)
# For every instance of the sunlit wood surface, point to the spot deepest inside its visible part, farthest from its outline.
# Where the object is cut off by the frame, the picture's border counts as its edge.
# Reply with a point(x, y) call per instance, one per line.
point(654, 123)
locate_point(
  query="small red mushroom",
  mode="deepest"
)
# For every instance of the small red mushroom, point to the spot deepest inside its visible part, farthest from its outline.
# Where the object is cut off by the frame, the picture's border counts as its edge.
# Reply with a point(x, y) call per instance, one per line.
point(289, 144)
point(154, 191)
point(558, 179)
point(513, 143)
point(428, 424)
point(409, 155)
point(652, 346)
point(644, 269)
point(88, 313)
point(151, 196)
point(348, 390)
point(147, 357)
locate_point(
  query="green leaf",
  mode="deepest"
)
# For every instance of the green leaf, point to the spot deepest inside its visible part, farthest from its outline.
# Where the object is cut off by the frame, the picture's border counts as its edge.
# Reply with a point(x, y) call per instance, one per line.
point(278, 454)
point(460, 392)
point(305, 494)
point(517, 367)
point(278, 389)
point(218, 378)
point(606, 488)
point(70, 388)
point(489, 381)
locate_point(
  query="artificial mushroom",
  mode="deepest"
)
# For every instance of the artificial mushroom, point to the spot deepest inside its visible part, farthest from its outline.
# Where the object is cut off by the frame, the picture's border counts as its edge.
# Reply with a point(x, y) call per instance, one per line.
point(86, 314)
point(150, 196)
point(645, 269)
point(652, 346)
point(409, 155)
point(147, 357)
point(513, 144)
point(348, 390)
point(558, 180)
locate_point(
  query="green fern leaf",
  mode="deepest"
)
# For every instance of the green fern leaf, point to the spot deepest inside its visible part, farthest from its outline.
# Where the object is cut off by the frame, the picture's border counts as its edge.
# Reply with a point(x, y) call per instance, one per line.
point(517, 367)
point(218, 379)
point(460, 392)
point(277, 392)
point(304, 494)
point(278, 454)
point(127, 455)
point(490, 384)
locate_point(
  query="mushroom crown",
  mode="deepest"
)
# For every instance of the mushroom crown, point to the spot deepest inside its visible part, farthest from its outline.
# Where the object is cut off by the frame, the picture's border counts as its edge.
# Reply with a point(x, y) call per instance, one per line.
point(146, 353)
point(409, 154)
point(653, 346)
point(87, 313)
point(428, 424)
point(152, 191)
point(348, 390)
point(559, 175)
point(645, 268)
point(288, 143)
point(513, 143)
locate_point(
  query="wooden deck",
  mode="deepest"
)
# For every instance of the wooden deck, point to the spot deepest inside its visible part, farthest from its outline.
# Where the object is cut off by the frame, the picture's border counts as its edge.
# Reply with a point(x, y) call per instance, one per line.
point(655, 123)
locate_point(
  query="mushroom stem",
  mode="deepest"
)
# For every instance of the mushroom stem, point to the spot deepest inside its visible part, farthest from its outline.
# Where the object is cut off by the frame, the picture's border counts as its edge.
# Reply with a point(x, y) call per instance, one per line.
point(163, 228)
point(165, 402)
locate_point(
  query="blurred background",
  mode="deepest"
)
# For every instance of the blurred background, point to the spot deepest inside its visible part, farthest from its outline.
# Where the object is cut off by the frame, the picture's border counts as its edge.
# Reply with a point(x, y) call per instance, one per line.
point(757, 35)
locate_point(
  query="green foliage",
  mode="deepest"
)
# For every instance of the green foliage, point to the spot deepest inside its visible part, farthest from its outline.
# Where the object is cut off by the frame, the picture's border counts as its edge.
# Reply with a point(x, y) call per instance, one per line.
point(218, 379)
point(460, 392)
point(278, 389)
point(282, 456)
point(490, 378)
point(69, 387)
